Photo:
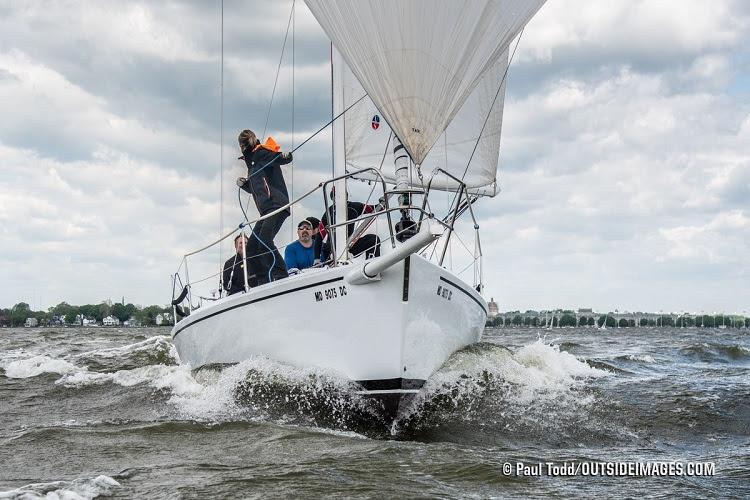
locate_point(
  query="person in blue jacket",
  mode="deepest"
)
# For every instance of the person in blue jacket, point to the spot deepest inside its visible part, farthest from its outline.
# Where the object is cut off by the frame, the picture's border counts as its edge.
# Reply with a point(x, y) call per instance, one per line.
point(300, 254)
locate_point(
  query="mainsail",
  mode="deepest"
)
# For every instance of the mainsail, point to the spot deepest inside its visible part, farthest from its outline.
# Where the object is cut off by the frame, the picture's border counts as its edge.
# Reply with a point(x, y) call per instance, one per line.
point(420, 60)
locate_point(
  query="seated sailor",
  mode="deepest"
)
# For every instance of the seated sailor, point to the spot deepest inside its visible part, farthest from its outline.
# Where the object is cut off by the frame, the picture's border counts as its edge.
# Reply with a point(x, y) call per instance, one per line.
point(300, 254)
point(234, 269)
point(369, 244)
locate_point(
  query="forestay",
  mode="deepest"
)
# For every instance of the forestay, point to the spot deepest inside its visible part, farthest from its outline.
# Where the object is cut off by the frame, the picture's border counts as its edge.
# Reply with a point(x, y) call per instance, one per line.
point(420, 60)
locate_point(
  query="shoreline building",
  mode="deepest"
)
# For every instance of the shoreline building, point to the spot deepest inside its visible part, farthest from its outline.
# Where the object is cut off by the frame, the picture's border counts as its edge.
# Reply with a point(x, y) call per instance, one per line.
point(492, 310)
point(110, 321)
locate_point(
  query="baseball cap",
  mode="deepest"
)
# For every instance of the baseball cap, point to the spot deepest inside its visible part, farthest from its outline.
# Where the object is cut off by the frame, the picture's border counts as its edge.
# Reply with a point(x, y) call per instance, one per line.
point(304, 222)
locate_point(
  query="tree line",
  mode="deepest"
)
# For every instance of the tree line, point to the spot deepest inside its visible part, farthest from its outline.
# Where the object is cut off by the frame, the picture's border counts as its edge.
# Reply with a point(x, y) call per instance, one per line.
point(67, 313)
point(569, 319)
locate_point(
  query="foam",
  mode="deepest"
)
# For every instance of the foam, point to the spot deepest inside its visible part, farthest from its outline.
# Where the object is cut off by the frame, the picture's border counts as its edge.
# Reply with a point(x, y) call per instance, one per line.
point(175, 378)
point(158, 342)
point(78, 489)
point(552, 364)
point(213, 397)
point(645, 358)
point(217, 399)
point(537, 365)
point(36, 365)
point(537, 376)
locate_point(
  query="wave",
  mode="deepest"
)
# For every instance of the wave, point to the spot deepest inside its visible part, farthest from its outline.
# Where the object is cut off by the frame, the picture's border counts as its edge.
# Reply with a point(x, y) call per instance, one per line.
point(115, 363)
point(177, 379)
point(536, 387)
point(38, 365)
point(307, 396)
point(643, 358)
point(262, 389)
point(714, 352)
point(157, 350)
point(568, 346)
point(608, 367)
point(82, 488)
point(534, 391)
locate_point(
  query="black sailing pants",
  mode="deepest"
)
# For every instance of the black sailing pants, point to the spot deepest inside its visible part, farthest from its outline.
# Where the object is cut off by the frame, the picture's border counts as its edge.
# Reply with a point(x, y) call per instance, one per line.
point(264, 254)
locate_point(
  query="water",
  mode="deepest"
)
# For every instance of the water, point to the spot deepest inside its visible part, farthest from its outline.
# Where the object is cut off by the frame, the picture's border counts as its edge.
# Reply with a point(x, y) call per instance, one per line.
point(109, 412)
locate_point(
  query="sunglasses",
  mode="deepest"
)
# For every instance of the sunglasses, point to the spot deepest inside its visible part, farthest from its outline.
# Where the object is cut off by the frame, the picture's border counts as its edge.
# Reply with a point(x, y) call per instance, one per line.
point(300, 228)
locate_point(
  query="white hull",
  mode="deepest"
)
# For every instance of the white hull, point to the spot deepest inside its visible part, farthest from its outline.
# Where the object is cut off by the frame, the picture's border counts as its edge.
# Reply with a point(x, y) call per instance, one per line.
point(389, 335)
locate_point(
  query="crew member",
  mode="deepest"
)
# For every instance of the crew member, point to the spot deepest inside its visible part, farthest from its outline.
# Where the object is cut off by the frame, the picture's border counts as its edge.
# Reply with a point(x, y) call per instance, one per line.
point(315, 237)
point(265, 182)
point(234, 269)
point(300, 254)
point(367, 243)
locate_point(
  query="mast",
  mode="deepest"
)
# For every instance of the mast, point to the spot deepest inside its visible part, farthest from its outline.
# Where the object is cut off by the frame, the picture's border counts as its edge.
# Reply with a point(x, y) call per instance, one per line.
point(405, 228)
point(339, 156)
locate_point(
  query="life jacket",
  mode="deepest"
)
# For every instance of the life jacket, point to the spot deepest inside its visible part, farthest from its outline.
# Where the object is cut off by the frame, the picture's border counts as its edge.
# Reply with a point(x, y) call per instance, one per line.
point(270, 145)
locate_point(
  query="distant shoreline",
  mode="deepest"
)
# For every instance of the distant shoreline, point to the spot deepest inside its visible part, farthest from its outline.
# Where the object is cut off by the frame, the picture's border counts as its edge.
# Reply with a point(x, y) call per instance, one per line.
point(104, 314)
point(588, 318)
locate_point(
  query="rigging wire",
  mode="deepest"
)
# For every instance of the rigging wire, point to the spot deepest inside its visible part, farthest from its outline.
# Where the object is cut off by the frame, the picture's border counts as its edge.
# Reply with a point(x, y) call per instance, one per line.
point(486, 118)
point(291, 165)
point(278, 70)
point(221, 150)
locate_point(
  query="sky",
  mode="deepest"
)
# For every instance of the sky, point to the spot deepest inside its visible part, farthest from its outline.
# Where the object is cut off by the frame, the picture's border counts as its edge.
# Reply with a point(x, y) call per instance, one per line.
point(624, 164)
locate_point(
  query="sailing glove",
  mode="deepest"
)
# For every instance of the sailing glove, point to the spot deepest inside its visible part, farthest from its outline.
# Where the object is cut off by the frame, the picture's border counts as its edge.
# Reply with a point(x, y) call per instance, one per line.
point(244, 184)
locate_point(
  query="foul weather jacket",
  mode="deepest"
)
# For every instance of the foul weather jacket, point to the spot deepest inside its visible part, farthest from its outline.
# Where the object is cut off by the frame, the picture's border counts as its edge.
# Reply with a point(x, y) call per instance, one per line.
point(322, 245)
point(265, 181)
point(234, 275)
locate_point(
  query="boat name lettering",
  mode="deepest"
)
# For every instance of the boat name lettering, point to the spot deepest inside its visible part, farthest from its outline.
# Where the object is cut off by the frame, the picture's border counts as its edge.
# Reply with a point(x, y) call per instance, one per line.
point(330, 293)
point(444, 292)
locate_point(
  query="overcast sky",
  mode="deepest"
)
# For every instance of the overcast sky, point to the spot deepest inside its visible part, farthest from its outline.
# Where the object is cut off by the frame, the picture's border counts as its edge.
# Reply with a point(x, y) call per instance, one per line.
point(624, 164)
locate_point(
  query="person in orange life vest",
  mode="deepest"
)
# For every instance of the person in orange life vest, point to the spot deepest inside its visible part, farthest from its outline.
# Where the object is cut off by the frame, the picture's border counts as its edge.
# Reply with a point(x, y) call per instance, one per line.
point(265, 182)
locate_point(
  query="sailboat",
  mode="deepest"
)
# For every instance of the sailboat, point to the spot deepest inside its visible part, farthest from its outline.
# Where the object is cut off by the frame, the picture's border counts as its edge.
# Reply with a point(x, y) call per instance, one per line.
point(424, 81)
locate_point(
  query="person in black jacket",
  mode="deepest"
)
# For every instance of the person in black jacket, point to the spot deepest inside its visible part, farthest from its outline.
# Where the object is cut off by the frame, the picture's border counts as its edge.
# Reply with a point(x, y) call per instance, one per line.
point(265, 182)
point(234, 270)
point(368, 243)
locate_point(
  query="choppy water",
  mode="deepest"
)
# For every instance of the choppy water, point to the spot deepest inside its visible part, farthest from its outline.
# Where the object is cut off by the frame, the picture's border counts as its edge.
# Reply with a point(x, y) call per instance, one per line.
point(110, 412)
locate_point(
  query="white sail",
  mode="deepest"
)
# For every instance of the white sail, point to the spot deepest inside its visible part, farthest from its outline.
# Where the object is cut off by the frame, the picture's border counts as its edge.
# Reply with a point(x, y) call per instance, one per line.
point(420, 60)
point(471, 140)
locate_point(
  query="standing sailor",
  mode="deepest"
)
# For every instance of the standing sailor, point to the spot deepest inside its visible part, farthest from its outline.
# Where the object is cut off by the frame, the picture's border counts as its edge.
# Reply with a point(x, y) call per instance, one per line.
point(265, 182)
